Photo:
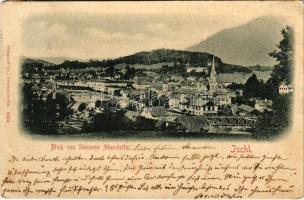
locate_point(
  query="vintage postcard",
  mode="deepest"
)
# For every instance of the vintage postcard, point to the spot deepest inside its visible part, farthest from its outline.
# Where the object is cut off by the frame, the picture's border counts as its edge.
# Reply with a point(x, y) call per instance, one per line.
point(173, 99)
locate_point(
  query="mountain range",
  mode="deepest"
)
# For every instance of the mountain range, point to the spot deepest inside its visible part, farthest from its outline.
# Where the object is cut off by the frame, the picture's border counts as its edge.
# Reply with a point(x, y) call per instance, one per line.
point(235, 48)
point(245, 45)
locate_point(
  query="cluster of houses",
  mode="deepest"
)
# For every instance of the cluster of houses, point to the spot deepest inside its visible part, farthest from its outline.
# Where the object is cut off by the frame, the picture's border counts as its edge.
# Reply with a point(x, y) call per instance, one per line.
point(141, 96)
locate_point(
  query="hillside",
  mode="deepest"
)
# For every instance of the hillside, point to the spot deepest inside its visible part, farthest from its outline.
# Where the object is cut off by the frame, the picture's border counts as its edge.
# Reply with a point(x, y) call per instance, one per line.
point(153, 60)
point(245, 45)
point(30, 65)
point(36, 62)
point(195, 59)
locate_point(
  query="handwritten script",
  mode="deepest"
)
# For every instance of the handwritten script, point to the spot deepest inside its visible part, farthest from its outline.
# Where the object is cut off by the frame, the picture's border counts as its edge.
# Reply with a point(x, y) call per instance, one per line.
point(182, 170)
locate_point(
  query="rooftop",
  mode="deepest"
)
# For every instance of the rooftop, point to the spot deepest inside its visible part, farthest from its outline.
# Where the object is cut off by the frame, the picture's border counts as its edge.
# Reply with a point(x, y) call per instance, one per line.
point(246, 108)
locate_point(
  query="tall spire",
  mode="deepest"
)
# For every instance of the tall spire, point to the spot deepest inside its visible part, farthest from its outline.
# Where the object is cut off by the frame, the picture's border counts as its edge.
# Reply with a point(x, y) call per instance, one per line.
point(213, 72)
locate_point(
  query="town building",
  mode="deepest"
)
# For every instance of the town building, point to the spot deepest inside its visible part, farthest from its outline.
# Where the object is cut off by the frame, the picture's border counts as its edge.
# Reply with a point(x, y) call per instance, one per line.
point(243, 110)
point(174, 101)
point(262, 105)
point(142, 83)
point(285, 88)
point(158, 113)
point(197, 69)
point(198, 105)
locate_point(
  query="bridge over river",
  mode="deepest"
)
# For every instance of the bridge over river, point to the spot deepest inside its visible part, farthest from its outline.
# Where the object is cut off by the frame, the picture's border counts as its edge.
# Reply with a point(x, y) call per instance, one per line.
point(232, 121)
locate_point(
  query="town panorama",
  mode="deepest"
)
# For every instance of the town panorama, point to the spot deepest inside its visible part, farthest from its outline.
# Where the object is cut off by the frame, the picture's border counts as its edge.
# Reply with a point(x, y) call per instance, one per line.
point(159, 93)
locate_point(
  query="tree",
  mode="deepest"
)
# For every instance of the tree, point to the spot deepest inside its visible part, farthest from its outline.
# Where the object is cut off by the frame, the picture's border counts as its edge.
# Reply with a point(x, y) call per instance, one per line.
point(284, 56)
point(255, 88)
point(236, 86)
point(276, 122)
point(111, 122)
point(98, 104)
point(82, 107)
point(110, 71)
point(130, 72)
point(252, 87)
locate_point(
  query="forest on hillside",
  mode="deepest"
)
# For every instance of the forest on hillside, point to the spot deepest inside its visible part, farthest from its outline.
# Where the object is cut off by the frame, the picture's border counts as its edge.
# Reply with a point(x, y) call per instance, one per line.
point(194, 59)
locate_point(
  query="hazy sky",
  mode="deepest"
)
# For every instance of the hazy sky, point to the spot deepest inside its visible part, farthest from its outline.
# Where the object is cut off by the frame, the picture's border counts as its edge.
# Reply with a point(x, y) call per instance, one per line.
point(85, 36)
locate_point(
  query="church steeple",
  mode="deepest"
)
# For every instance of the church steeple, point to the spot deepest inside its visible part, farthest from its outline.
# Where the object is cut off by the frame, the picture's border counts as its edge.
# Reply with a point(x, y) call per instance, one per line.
point(213, 72)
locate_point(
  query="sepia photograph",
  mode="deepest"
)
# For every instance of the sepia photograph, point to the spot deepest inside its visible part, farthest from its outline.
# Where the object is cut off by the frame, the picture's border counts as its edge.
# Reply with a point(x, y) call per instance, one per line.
point(152, 100)
point(156, 76)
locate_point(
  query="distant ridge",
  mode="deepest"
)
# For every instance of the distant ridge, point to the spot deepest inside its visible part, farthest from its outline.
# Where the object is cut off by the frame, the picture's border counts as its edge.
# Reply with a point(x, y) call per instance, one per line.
point(245, 45)
point(56, 60)
point(157, 58)
point(36, 61)
point(195, 59)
